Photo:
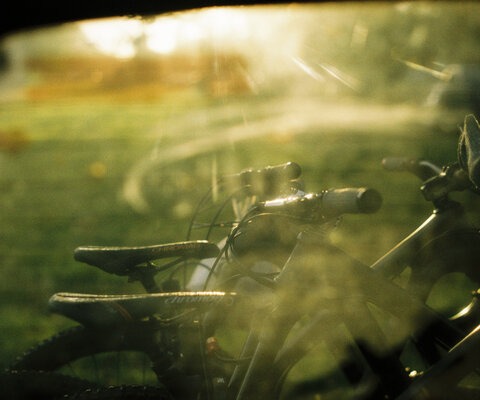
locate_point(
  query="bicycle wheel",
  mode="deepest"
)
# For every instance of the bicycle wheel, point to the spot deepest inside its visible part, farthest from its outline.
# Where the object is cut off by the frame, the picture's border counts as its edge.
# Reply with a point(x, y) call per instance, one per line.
point(39, 385)
point(106, 357)
point(122, 393)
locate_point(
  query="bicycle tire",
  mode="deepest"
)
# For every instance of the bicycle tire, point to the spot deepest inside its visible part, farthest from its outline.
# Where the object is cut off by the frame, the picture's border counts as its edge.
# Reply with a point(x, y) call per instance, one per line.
point(39, 385)
point(60, 351)
point(122, 393)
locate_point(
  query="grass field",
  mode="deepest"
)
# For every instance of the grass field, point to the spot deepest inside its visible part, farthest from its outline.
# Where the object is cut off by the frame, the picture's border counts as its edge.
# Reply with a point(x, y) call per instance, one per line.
point(68, 184)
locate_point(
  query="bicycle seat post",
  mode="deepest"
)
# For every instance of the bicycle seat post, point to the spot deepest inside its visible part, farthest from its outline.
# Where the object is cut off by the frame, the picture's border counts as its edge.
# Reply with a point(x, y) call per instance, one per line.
point(146, 277)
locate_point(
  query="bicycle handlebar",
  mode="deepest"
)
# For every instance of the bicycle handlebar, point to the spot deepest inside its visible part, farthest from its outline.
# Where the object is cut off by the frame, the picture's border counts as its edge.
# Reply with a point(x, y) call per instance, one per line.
point(266, 180)
point(469, 149)
point(329, 203)
point(289, 171)
point(421, 168)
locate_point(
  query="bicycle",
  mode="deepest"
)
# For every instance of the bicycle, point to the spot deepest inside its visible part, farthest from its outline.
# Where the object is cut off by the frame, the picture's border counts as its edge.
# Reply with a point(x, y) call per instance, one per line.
point(92, 338)
point(268, 358)
point(75, 343)
point(446, 242)
point(448, 227)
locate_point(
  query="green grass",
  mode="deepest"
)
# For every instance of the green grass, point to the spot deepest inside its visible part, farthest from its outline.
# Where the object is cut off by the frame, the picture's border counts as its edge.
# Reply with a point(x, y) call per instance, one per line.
point(52, 202)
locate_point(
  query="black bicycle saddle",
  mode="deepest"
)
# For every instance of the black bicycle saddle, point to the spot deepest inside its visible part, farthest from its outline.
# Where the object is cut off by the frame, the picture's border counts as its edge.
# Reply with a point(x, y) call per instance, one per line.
point(120, 260)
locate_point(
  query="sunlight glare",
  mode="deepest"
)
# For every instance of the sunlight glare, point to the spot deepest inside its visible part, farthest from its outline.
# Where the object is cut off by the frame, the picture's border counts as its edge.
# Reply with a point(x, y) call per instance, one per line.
point(225, 21)
point(113, 37)
point(162, 35)
point(126, 37)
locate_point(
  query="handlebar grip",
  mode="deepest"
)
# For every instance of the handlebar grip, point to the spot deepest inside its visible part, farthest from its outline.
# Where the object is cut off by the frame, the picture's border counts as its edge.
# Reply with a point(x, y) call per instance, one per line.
point(469, 149)
point(267, 181)
point(290, 170)
point(351, 201)
point(421, 168)
point(327, 204)
point(395, 163)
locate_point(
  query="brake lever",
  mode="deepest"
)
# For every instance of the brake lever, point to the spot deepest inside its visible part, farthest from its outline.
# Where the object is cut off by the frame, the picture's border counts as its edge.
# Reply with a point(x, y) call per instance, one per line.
point(423, 169)
point(453, 178)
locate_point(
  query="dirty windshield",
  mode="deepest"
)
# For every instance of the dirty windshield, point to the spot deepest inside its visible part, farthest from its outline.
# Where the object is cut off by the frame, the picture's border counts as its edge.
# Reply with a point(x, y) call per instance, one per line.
point(150, 130)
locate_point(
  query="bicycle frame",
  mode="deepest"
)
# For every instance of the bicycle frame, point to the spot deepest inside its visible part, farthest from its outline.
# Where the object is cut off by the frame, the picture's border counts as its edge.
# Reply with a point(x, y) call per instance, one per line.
point(443, 221)
point(444, 226)
point(330, 306)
